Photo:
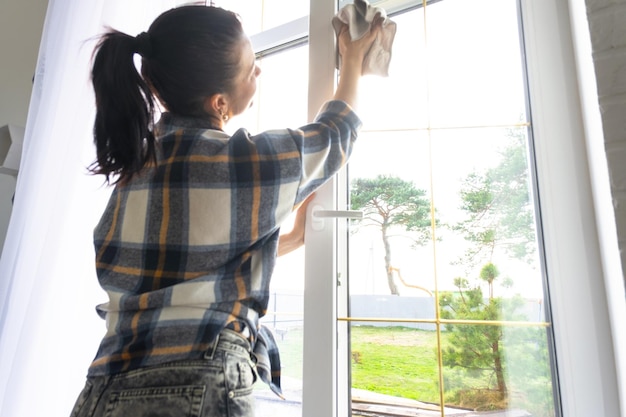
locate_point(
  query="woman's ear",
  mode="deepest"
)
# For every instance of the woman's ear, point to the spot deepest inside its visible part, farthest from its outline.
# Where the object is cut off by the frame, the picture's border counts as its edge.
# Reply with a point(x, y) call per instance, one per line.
point(216, 105)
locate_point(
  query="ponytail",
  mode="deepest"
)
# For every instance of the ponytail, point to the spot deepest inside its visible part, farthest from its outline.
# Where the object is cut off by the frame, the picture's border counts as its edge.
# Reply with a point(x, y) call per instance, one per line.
point(123, 129)
point(189, 53)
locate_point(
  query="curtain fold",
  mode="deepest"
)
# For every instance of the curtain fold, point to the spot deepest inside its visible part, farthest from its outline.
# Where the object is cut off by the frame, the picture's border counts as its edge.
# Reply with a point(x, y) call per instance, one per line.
point(49, 331)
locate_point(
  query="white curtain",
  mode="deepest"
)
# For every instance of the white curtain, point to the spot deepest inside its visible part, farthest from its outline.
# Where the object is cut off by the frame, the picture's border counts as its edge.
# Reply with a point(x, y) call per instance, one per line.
point(49, 331)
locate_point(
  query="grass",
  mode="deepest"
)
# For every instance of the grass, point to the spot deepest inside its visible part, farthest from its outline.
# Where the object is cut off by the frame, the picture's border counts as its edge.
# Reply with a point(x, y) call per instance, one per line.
point(389, 360)
point(290, 345)
point(403, 362)
point(396, 361)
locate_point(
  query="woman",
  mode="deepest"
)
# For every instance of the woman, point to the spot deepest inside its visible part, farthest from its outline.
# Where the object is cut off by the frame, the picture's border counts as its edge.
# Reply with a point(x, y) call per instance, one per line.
point(186, 245)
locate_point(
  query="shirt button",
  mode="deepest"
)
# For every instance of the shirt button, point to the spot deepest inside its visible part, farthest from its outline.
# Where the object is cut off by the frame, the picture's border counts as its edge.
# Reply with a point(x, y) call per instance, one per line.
point(231, 394)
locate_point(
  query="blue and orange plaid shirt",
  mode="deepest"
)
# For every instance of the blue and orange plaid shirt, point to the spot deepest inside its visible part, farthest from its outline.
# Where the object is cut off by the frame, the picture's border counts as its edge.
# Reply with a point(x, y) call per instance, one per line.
point(187, 248)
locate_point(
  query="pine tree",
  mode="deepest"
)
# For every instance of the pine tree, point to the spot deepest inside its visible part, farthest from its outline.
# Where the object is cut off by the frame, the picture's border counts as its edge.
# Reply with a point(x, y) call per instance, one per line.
point(388, 202)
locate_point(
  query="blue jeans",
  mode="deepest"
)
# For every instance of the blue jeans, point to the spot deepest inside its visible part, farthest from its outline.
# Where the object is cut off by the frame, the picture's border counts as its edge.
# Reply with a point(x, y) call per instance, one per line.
point(220, 385)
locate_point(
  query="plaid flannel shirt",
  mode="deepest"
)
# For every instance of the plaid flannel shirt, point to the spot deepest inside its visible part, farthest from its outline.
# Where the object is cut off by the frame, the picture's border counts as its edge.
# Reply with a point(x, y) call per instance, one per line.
point(187, 248)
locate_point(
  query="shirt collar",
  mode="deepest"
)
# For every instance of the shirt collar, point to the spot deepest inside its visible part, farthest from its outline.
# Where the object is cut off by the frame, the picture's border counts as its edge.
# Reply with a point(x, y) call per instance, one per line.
point(170, 122)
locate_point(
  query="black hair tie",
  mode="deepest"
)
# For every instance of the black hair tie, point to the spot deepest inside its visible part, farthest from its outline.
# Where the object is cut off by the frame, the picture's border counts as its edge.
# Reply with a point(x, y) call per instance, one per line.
point(143, 45)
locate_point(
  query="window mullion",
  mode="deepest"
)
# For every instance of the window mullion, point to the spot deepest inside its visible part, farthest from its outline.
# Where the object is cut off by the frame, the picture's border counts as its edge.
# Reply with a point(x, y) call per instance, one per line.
point(319, 352)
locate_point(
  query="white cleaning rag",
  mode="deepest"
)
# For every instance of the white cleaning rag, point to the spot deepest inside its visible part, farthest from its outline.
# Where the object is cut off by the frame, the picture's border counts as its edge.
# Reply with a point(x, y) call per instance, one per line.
point(359, 17)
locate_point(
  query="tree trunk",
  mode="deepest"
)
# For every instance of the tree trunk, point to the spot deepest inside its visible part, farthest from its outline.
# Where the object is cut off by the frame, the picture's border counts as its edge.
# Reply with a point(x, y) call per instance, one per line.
point(497, 362)
point(392, 285)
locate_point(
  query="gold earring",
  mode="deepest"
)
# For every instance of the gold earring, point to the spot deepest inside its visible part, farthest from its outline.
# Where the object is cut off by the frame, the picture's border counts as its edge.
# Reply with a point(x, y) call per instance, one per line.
point(223, 116)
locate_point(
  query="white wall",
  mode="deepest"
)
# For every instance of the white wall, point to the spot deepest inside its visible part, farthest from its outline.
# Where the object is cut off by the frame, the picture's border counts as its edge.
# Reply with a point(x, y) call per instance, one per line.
point(21, 23)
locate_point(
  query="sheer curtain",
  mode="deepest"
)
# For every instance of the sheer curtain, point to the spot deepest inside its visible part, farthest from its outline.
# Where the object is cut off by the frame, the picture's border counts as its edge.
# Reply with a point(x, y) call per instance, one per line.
point(49, 331)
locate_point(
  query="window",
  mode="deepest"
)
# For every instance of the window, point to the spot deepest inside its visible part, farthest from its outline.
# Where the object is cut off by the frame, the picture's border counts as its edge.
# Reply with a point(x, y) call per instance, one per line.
point(284, 80)
point(260, 16)
point(456, 143)
point(445, 284)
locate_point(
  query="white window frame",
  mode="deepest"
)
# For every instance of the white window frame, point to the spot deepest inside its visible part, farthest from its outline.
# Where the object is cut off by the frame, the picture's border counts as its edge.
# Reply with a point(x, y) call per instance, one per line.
point(320, 383)
point(586, 365)
point(585, 357)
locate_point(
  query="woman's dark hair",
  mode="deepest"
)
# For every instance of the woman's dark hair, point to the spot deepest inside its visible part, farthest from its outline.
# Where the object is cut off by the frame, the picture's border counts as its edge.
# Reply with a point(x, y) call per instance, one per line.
point(188, 54)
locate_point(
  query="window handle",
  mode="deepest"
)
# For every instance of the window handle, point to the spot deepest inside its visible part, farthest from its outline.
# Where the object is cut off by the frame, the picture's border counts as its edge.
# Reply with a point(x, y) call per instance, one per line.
point(319, 215)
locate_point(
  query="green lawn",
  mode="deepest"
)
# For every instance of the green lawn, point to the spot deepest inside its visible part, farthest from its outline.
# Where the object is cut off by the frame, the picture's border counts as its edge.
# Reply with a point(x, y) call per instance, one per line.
point(403, 362)
point(396, 361)
point(390, 360)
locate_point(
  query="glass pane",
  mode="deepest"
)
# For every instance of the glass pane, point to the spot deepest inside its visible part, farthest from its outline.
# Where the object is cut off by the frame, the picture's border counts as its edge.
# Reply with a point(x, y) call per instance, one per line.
point(484, 205)
point(474, 61)
point(407, 81)
point(447, 249)
point(498, 368)
point(258, 15)
point(395, 371)
point(283, 80)
point(397, 260)
point(285, 318)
